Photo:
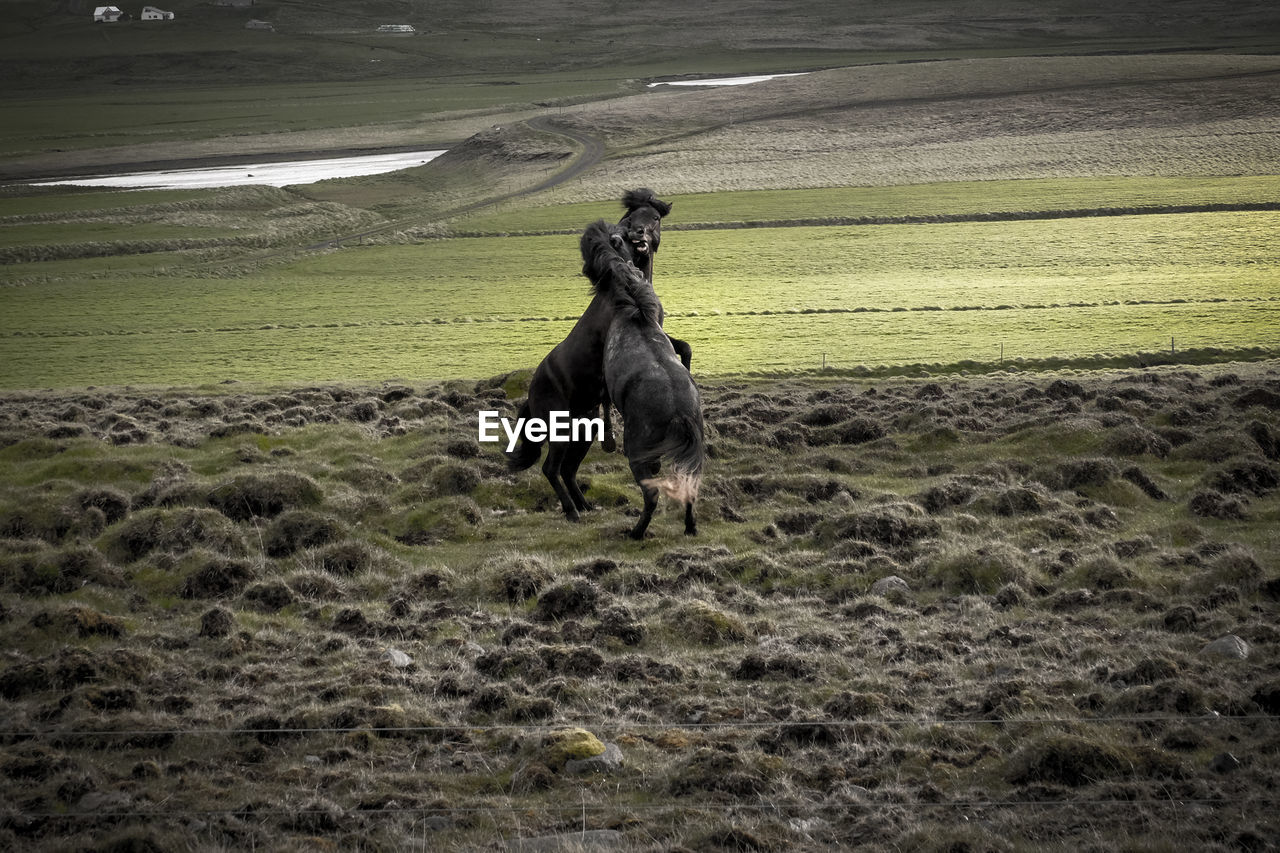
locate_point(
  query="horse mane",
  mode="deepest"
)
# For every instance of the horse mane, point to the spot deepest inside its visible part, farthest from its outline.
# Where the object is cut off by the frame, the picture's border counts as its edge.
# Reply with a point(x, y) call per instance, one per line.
point(606, 262)
point(645, 197)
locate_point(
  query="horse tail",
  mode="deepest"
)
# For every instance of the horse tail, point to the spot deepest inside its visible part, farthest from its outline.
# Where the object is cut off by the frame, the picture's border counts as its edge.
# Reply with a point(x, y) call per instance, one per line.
point(527, 452)
point(685, 451)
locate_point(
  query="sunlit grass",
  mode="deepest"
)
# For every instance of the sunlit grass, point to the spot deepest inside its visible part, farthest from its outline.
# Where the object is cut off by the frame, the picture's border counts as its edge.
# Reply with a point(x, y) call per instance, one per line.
point(759, 299)
point(915, 200)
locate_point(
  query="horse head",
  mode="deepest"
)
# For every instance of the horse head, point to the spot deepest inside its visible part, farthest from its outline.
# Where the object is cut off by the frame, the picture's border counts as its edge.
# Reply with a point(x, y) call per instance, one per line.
point(642, 226)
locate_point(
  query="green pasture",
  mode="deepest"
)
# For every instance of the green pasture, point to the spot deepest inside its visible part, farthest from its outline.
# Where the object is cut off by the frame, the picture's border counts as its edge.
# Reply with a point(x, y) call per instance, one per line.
point(51, 202)
point(749, 300)
point(960, 198)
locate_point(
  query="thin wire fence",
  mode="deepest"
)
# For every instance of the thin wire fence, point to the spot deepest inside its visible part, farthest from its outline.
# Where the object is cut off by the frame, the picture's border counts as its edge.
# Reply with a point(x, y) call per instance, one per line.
point(921, 722)
point(576, 807)
point(866, 800)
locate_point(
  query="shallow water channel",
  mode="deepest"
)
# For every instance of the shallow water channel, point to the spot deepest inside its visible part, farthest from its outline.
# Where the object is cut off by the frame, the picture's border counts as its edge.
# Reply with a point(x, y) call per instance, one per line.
point(270, 174)
point(310, 171)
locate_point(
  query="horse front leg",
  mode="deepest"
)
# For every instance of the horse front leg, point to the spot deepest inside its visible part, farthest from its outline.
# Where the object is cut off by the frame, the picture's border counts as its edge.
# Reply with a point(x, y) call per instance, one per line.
point(690, 524)
point(683, 350)
point(551, 470)
point(573, 455)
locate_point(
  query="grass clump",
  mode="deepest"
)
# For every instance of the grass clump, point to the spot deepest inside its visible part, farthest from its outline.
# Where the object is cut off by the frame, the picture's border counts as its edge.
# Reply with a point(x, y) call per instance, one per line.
point(572, 599)
point(346, 558)
point(54, 571)
point(984, 569)
point(176, 530)
point(716, 769)
point(517, 578)
point(1235, 568)
point(265, 495)
point(297, 529)
point(438, 520)
point(453, 478)
point(1075, 761)
point(214, 575)
point(889, 527)
point(699, 622)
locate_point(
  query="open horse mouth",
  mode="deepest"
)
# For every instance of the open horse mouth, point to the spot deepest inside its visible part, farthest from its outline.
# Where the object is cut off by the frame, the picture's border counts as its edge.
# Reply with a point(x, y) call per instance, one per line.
point(641, 246)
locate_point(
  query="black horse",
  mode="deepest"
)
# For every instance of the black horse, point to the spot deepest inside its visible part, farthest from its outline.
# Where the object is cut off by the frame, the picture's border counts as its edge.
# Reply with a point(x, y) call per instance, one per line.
point(642, 227)
point(659, 402)
point(571, 377)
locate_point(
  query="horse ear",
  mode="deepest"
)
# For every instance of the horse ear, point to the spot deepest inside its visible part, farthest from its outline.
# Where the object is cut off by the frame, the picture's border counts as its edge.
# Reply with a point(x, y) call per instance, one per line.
point(663, 207)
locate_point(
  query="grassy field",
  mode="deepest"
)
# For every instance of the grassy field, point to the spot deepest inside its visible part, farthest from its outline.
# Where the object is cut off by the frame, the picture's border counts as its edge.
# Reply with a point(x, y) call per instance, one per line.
point(260, 587)
point(765, 300)
point(201, 591)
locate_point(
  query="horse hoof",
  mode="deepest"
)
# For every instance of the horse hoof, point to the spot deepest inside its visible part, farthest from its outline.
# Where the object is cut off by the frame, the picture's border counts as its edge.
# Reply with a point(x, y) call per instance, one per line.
point(691, 531)
point(573, 516)
point(609, 444)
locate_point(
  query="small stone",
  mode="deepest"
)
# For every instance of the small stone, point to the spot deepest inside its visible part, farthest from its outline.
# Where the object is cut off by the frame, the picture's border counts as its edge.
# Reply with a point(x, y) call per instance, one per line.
point(606, 762)
point(103, 801)
point(890, 587)
point(574, 744)
point(1230, 647)
point(1224, 762)
point(397, 658)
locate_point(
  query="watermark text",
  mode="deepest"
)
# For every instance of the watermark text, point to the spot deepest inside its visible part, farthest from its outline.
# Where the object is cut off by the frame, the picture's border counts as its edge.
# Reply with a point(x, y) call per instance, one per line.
point(558, 427)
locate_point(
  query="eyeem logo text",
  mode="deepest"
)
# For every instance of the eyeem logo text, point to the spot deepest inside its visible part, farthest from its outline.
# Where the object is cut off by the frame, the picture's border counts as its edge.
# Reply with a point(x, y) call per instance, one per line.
point(557, 427)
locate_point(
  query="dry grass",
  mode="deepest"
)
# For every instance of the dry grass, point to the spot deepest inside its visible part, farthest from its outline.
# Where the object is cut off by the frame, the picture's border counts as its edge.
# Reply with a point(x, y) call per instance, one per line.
point(217, 598)
point(987, 119)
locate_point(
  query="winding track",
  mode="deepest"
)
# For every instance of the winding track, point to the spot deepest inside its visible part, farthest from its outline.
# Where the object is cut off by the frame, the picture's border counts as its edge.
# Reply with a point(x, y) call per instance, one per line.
point(593, 152)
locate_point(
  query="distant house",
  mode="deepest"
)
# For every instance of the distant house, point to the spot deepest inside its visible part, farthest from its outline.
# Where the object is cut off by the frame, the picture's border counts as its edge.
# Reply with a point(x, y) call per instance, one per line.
point(151, 13)
point(402, 29)
point(259, 25)
point(107, 14)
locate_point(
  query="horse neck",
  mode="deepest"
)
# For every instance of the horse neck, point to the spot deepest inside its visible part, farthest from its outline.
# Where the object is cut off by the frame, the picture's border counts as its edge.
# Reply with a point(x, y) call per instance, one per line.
point(638, 294)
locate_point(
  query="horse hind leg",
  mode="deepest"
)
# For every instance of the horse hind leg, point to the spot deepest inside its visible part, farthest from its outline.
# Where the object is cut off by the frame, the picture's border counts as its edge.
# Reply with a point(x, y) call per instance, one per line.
point(608, 442)
point(644, 472)
point(551, 469)
point(690, 523)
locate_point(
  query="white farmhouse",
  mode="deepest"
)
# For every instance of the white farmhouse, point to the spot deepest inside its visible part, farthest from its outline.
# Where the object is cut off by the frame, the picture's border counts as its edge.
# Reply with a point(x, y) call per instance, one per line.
point(151, 13)
point(107, 14)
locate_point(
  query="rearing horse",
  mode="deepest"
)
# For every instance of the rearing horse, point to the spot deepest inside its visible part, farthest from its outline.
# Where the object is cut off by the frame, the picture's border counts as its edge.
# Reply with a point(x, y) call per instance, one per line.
point(654, 392)
point(571, 377)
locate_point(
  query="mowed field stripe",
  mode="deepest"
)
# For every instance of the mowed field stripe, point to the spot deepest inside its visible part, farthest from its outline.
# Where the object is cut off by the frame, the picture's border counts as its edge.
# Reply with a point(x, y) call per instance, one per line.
point(458, 321)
